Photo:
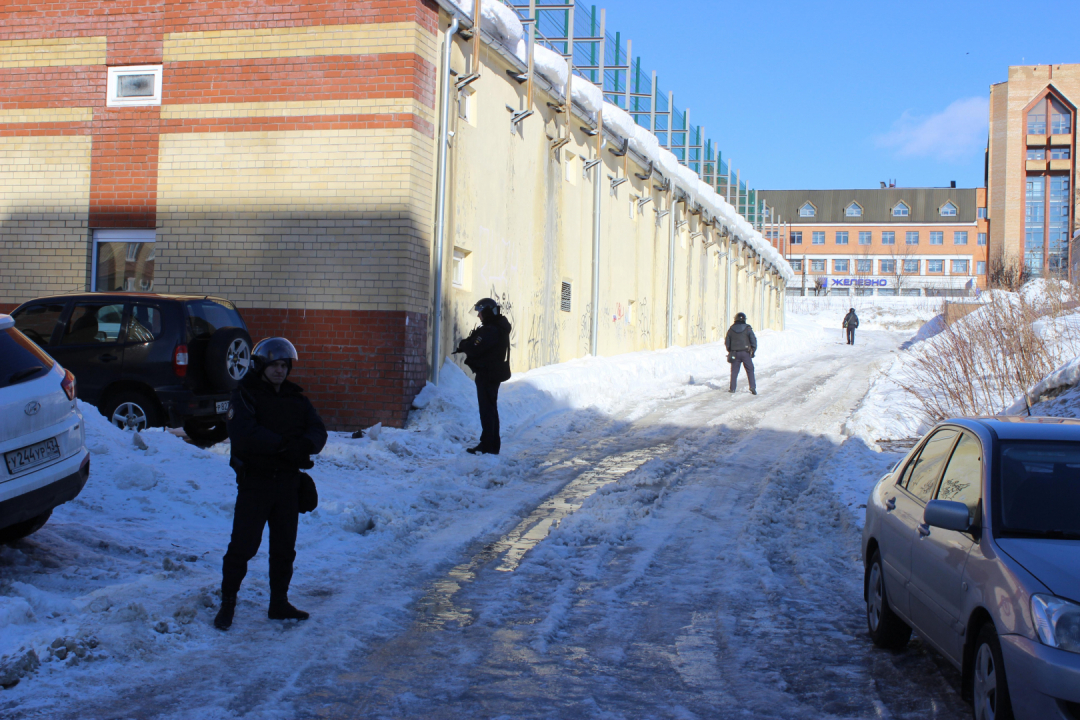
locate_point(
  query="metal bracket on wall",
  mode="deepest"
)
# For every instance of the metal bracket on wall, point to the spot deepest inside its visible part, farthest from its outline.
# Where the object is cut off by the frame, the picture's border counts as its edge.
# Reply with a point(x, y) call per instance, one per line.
point(520, 78)
point(647, 176)
point(556, 107)
point(558, 143)
point(679, 224)
point(589, 165)
point(591, 132)
point(519, 115)
point(644, 201)
point(665, 187)
point(616, 181)
point(466, 81)
point(620, 152)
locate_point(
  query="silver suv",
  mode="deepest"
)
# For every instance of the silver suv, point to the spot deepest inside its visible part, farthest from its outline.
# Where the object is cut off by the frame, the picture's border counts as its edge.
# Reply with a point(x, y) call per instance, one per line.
point(42, 439)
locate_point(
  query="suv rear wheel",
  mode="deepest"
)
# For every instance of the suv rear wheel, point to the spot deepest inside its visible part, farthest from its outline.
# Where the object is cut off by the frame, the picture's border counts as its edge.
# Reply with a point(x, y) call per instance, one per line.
point(228, 357)
point(20, 530)
point(131, 410)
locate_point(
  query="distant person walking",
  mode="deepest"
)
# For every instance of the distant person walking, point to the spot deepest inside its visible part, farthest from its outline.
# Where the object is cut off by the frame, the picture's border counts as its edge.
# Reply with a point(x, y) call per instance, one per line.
point(741, 344)
point(487, 354)
point(851, 321)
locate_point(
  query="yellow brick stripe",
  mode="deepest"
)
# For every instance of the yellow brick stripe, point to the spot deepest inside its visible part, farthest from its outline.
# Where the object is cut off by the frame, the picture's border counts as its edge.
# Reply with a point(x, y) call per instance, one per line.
point(298, 108)
point(52, 52)
point(368, 39)
point(47, 115)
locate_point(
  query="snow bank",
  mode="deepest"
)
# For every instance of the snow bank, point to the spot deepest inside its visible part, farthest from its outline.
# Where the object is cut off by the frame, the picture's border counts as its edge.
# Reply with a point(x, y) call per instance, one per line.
point(587, 95)
point(619, 121)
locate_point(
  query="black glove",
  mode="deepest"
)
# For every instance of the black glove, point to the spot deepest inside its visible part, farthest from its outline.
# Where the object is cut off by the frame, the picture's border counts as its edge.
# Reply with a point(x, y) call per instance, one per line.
point(752, 354)
point(297, 451)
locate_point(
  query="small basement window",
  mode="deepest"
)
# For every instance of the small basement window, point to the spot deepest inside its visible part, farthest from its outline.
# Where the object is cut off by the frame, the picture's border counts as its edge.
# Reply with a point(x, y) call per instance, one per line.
point(567, 296)
point(133, 86)
point(457, 270)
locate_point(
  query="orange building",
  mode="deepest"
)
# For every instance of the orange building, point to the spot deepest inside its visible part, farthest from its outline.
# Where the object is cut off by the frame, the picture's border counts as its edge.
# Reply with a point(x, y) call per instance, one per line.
point(1031, 170)
point(888, 241)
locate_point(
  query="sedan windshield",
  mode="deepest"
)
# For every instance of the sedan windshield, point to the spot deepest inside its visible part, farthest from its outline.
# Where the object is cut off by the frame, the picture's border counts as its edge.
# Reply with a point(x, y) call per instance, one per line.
point(1039, 489)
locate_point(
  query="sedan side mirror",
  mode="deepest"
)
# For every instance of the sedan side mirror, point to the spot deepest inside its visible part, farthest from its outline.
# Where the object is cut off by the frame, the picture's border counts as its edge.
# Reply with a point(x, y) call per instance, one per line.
point(948, 515)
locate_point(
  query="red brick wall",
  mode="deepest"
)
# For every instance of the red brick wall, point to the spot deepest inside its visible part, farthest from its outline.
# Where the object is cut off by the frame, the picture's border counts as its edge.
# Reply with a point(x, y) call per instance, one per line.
point(358, 367)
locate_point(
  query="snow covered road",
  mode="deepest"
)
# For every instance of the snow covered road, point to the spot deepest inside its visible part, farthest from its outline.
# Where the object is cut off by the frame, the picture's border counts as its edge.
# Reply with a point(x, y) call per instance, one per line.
point(686, 556)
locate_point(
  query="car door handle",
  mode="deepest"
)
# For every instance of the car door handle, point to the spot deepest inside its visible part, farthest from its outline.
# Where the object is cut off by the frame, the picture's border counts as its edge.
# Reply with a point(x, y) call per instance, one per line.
point(924, 530)
point(890, 504)
point(108, 358)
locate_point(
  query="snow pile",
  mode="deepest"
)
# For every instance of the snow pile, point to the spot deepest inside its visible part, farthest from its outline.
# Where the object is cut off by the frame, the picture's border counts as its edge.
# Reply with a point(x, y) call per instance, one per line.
point(891, 412)
point(551, 66)
point(619, 121)
point(875, 312)
point(587, 95)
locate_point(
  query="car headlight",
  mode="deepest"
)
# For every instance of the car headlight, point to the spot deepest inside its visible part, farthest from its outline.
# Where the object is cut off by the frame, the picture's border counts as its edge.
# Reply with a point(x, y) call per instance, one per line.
point(1057, 622)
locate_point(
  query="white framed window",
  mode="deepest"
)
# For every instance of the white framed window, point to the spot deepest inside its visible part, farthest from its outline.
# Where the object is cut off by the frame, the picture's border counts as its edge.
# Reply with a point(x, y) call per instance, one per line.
point(853, 210)
point(982, 238)
point(981, 213)
point(912, 237)
point(133, 85)
point(569, 166)
point(888, 237)
point(866, 237)
point(796, 265)
point(887, 266)
point(960, 267)
point(864, 266)
point(901, 209)
point(633, 206)
point(935, 266)
point(948, 210)
point(817, 265)
point(980, 267)
point(457, 270)
point(796, 237)
point(123, 261)
point(911, 267)
point(807, 210)
point(817, 237)
point(841, 237)
point(937, 237)
point(959, 237)
point(840, 266)
point(465, 102)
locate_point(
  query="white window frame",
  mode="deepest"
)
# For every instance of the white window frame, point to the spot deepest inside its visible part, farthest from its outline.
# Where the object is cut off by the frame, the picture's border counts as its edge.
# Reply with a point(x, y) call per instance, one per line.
point(836, 266)
point(814, 235)
point(980, 239)
point(957, 235)
point(955, 271)
point(842, 237)
point(112, 99)
point(808, 210)
point(929, 268)
point(940, 234)
point(896, 209)
point(823, 268)
point(944, 210)
point(980, 267)
point(125, 235)
point(853, 210)
point(864, 262)
point(465, 110)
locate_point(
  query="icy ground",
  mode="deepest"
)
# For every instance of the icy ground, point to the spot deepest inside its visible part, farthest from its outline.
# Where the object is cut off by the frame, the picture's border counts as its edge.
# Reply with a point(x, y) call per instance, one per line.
point(648, 546)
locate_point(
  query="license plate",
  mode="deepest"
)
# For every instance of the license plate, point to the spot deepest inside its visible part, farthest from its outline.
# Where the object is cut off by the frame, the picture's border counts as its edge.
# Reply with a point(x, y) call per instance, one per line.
point(222, 407)
point(32, 455)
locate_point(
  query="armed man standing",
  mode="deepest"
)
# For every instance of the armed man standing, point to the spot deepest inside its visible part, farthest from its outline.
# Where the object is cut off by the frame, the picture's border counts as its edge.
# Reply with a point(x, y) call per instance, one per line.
point(274, 431)
point(487, 354)
point(741, 344)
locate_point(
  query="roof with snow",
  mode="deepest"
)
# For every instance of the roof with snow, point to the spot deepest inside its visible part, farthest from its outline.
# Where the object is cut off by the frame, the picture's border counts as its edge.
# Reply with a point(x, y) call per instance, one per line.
point(877, 205)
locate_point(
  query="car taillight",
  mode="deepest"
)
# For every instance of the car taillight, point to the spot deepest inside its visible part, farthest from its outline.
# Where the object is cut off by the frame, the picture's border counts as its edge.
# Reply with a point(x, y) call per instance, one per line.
point(180, 360)
point(69, 384)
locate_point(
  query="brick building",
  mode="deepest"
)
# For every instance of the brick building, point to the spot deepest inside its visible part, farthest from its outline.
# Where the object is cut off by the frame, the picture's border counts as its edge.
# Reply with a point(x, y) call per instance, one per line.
point(283, 154)
point(887, 241)
point(1031, 166)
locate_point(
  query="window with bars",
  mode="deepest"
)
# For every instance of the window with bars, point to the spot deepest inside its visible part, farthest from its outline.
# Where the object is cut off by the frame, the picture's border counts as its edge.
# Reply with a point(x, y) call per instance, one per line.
point(564, 300)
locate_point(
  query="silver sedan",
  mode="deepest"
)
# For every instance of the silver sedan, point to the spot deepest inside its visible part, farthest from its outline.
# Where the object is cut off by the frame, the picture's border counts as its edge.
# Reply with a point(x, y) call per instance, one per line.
point(973, 542)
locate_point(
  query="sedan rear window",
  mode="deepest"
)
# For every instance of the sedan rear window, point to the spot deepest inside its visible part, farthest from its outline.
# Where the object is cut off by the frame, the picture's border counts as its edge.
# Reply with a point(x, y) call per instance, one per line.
point(20, 359)
point(1039, 489)
point(207, 316)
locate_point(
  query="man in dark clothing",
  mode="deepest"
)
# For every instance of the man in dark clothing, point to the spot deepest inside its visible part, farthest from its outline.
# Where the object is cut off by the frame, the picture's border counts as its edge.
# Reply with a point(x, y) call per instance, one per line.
point(851, 321)
point(487, 354)
point(741, 344)
point(274, 431)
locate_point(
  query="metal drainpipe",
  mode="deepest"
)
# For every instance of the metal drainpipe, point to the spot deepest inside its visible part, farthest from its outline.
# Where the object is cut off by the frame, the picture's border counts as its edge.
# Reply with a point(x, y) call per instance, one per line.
point(440, 202)
point(671, 268)
point(727, 284)
point(598, 175)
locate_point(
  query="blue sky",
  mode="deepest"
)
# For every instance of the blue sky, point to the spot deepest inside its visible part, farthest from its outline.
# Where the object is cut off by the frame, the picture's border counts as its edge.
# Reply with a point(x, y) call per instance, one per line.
point(809, 95)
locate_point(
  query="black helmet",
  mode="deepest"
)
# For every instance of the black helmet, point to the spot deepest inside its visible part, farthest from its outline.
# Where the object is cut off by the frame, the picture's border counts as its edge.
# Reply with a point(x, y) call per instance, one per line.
point(486, 304)
point(851, 310)
point(271, 350)
point(740, 317)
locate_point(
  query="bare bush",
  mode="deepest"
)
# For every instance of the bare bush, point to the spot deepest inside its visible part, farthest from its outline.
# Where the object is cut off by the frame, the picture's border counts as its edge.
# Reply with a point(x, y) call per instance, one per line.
point(982, 363)
point(1007, 276)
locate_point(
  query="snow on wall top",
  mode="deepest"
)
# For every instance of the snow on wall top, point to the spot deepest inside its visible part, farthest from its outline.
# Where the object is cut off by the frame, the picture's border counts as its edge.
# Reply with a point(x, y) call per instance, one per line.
point(502, 23)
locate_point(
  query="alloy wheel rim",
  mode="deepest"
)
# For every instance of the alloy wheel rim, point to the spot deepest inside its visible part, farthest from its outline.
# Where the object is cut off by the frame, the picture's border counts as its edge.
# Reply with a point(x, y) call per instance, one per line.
point(238, 358)
point(129, 416)
point(985, 684)
point(873, 605)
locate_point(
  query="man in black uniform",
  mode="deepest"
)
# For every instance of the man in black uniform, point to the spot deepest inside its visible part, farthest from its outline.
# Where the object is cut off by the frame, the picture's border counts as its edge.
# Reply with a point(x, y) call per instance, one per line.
point(851, 321)
point(487, 354)
point(274, 431)
point(741, 344)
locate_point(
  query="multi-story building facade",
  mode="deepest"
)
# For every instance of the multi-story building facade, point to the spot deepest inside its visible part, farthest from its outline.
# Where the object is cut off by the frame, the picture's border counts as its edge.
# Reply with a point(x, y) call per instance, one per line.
point(888, 241)
point(1031, 170)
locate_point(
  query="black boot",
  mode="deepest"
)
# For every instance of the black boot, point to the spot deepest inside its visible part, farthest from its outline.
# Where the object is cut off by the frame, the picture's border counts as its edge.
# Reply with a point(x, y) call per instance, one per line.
point(223, 621)
point(473, 450)
point(282, 609)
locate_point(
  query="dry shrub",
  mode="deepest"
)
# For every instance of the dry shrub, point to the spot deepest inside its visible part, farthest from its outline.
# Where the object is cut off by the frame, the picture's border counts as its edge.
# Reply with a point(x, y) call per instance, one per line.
point(980, 364)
